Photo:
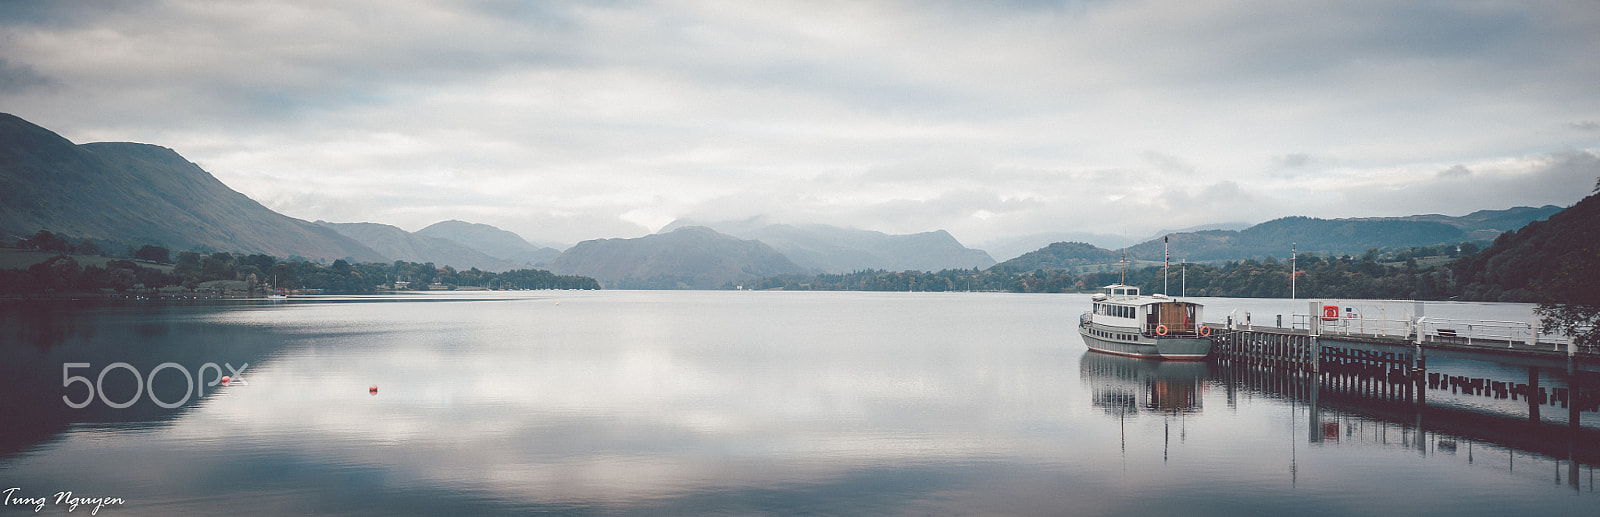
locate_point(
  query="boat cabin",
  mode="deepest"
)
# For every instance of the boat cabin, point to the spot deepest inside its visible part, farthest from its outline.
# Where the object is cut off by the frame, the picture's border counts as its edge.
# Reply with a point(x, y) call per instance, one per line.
point(1154, 315)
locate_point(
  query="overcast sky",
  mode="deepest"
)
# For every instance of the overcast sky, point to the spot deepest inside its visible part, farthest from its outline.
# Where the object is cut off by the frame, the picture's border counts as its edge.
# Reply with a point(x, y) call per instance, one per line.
point(566, 121)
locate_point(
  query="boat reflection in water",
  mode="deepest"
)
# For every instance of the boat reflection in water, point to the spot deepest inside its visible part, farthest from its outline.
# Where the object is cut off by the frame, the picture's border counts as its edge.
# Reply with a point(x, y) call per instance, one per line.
point(1127, 385)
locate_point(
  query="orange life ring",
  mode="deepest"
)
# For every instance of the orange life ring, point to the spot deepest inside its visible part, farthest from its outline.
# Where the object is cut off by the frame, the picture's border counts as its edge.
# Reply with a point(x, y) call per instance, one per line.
point(1205, 331)
point(1161, 330)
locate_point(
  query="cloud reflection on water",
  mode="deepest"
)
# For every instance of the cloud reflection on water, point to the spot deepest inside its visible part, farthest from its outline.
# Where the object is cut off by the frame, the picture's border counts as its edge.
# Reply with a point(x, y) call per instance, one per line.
point(680, 403)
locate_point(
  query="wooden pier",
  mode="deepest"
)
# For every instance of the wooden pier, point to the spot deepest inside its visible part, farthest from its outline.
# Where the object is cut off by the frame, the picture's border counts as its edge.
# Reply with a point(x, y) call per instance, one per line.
point(1306, 350)
point(1396, 367)
point(1379, 370)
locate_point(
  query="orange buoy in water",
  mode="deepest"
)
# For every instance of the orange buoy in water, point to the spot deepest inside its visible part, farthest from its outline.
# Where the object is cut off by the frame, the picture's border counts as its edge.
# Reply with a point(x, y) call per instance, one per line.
point(226, 380)
point(373, 390)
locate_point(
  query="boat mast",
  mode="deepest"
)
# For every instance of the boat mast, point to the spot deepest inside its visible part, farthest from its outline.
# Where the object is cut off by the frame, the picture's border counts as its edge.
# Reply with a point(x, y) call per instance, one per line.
point(1125, 266)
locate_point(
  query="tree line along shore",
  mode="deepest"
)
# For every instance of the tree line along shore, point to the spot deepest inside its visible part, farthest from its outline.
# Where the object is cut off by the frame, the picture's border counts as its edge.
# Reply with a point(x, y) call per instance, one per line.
point(46, 265)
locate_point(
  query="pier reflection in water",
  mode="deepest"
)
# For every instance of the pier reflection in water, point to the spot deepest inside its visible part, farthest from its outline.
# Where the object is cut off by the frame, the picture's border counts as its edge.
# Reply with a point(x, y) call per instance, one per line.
point(1458, 410)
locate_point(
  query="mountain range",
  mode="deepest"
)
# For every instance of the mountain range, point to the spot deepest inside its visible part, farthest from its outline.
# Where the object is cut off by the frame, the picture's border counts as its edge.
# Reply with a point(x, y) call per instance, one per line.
point(134, 194)
point(822, 248)
point(1482, 225)
point(1333, 237)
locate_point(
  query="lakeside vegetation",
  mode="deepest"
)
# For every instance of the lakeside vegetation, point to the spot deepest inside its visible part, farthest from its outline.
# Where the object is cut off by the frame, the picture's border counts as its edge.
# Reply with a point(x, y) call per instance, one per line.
point(1414, 273)
point(45, 264)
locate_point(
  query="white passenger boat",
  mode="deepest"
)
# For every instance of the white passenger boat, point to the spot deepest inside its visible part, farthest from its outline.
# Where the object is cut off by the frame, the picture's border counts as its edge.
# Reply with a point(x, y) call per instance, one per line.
point(1123, 322)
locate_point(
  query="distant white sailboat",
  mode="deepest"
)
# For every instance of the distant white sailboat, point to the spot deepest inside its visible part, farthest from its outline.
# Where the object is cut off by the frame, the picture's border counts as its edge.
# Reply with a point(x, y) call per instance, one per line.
point(275, 294)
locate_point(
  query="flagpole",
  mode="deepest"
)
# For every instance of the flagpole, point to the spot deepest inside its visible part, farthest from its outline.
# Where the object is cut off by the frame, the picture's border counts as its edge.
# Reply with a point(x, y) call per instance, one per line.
point(1294, 269)
point(1166, 264)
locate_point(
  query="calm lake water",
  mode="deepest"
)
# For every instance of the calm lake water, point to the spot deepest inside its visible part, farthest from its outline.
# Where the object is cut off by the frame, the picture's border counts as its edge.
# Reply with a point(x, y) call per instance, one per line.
point(620, 402)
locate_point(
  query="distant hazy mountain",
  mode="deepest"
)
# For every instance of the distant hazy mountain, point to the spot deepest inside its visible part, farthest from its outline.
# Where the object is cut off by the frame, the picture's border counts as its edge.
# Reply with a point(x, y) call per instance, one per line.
point(398, 244)
point(687, 258)
point(1060, 255)
point(141, 194)
point(1322, 236)
point(1276, 237)
point(1342, 236)
point(832, 249)
point(1192, 229)
point(1483, 225)
point(492, 241)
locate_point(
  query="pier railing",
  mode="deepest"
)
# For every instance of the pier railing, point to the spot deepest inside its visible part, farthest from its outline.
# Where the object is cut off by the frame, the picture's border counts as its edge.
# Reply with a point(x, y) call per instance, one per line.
point(1402, 320)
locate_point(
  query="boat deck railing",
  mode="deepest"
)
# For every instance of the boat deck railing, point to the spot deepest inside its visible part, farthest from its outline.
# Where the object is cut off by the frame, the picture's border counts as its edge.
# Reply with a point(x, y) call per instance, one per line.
point(1192, 329)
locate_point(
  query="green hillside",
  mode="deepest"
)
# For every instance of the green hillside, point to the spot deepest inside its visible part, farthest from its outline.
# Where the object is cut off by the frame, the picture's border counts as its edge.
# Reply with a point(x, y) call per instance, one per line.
point(141, 194)
point(1556, 260)
point(1061, 255)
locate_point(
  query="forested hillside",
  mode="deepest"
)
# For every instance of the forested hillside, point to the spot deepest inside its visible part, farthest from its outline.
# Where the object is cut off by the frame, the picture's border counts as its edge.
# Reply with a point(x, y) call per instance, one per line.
point(121, 194)
point(1556, 260)
point(1061, 255)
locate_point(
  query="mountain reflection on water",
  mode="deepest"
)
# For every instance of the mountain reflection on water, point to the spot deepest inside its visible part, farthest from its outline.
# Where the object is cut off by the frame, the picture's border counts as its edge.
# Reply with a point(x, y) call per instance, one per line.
point(726, 403)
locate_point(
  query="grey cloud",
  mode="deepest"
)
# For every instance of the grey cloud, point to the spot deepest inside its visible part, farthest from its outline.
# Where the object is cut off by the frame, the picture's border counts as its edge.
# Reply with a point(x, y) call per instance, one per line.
point(1559, 178)
point(1456, 171)
point(1168, 163)
point(1220, 201)
point(1293, 160)
point(20, 78)
point(559, 119)
point(1314, 39)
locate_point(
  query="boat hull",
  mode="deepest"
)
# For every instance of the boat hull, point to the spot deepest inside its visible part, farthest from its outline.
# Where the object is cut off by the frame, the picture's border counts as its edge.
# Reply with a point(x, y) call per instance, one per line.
point(1162, 348)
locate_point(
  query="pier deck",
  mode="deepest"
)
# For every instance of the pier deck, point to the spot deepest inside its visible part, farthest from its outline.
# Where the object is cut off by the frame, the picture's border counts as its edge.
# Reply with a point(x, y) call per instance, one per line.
point(1302, 349)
